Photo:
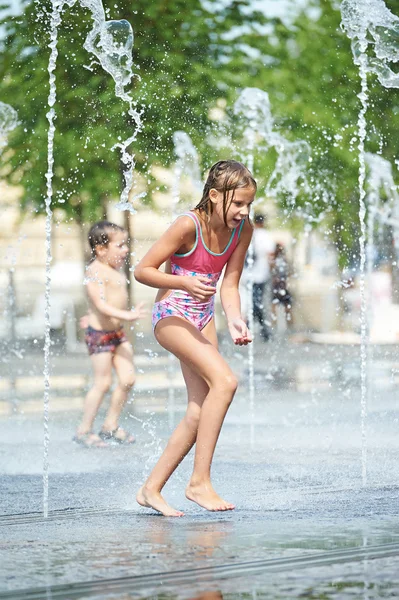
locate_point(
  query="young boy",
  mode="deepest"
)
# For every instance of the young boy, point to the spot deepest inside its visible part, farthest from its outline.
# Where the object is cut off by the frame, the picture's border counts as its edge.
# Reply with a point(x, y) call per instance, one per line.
point(106, 341)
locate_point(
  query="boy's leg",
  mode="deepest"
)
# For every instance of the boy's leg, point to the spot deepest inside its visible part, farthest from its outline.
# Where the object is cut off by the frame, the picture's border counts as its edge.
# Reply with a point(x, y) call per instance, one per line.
point(191, 347)
point(184, 436)
point(102, 367)
point(124, 367)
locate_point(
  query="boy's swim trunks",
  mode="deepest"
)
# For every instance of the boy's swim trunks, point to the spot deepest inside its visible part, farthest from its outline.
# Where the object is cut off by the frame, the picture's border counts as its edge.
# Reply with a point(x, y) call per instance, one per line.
point(104, 341)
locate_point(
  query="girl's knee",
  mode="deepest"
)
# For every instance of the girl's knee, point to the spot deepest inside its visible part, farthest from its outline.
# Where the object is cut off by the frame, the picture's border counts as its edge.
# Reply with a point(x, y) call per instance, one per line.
point(192, 417)
point(226, 383)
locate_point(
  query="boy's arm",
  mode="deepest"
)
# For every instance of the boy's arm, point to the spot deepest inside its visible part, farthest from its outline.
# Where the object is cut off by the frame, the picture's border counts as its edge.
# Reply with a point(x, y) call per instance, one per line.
point(229, 293)
point(96, 292)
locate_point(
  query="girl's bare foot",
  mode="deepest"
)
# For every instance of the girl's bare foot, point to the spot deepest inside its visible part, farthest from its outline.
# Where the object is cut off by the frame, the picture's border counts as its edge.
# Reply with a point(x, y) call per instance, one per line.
point(204, 495)
point(151, 499)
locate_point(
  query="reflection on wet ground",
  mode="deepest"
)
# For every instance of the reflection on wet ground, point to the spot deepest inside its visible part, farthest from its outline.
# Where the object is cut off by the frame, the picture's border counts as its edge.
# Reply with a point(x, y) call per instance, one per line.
point(304, 525)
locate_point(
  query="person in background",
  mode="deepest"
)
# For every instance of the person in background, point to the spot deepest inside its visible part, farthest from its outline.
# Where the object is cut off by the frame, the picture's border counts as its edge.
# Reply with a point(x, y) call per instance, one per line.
point(262, 248)
point(280, 270)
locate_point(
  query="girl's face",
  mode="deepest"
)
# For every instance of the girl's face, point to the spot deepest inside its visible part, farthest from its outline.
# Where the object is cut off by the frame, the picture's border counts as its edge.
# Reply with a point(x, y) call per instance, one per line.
point(117, 250)
point(238, 202)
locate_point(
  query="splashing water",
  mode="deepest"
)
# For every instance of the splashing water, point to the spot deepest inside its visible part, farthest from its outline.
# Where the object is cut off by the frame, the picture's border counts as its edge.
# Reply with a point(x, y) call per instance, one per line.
point(252, 109)
point(381, 184)
point(288, 175)
point(374, 34)
point(293, 158)
point(111, 42)
point(8, 122)
point(187, 163)
point(253, 112)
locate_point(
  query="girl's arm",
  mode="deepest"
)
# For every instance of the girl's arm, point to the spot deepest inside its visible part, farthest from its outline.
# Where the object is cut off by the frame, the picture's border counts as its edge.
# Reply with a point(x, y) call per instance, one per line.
point(180, 233)
point(229, 292)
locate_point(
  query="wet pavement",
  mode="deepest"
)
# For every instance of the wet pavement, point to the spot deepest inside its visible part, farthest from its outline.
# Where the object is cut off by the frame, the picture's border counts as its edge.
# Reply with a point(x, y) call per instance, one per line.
point(304, 526)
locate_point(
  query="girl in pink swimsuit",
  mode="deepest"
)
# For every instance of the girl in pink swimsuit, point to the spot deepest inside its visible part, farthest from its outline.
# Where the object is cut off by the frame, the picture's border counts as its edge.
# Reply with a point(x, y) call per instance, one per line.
point(199, 261)
point(196, 248)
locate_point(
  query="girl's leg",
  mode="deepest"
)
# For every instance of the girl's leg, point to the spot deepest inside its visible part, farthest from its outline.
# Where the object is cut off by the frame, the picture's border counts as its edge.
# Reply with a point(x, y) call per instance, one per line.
point(182, 439)
point(191, 347)
point(102, 367)
point(124, 367)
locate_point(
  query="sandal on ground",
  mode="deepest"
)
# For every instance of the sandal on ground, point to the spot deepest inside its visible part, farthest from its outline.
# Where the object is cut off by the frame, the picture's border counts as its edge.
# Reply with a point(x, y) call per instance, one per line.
point(89, 440)
point(117, 436)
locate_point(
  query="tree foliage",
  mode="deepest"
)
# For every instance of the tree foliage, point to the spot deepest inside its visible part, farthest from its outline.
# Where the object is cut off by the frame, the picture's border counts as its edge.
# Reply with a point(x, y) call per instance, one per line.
point(178, 55)
point(190, 55)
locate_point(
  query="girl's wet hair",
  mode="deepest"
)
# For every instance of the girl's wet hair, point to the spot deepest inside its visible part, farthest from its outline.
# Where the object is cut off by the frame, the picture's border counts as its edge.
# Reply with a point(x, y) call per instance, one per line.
point(100, 234)
point(225, 176)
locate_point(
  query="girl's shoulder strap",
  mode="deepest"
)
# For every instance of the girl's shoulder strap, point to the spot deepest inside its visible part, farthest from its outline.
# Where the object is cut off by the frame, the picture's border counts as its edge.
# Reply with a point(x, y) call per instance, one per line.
point(192, 216)
point(240, 228)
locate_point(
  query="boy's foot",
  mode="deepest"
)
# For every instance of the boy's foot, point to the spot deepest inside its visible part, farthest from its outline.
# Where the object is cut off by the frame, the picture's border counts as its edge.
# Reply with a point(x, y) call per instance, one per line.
point(205, 496)
point(154, 500)
point(89, 440)
point(117, 436)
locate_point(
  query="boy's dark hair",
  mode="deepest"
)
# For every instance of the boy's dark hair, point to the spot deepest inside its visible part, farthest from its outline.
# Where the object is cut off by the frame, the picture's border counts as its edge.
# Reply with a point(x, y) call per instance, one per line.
point(225, 176)
point(100, 234)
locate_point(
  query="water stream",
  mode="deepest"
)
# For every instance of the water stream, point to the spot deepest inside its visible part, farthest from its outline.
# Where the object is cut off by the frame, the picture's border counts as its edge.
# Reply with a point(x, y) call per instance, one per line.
point(187, 166)
point(374, 34)
point(111, 43)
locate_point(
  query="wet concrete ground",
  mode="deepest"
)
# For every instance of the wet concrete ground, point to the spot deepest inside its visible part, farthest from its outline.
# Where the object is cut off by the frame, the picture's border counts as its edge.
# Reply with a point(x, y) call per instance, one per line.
point(304, 524)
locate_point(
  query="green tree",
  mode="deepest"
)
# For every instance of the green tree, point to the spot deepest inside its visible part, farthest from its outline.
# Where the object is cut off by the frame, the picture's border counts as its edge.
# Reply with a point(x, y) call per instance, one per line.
point(178, 54)
point(313, 87)
point(190, 56)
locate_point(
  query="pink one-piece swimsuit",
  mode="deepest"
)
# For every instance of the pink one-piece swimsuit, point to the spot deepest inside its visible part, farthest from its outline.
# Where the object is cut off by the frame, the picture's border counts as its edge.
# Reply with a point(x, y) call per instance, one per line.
point(198, 261)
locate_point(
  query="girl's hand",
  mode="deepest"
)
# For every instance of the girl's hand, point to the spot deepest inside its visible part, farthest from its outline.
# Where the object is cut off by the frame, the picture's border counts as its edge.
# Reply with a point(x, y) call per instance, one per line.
point(137, 313)
point(239, 332)
point(198, 287)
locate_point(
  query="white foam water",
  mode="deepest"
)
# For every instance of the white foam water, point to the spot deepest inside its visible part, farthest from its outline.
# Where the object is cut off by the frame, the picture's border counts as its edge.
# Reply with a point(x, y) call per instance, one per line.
point(8, 122)
point(111, 43)
point(374, 34)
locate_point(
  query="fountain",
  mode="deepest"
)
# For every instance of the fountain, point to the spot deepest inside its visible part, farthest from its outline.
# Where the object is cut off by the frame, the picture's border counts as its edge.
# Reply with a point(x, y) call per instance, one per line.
point(374, 34)
point(111, 42)
point(186, 166)
point(302, 478)
point(382, 201)
point(252, 109)
point(8, 122)
point(253, 112)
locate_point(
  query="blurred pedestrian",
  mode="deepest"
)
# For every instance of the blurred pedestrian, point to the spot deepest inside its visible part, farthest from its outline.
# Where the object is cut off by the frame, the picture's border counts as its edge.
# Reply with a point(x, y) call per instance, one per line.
point(280, 270)
point(262, 250)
